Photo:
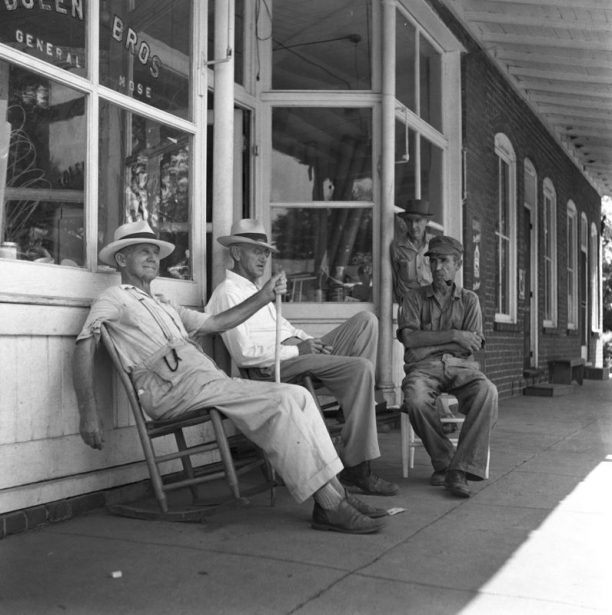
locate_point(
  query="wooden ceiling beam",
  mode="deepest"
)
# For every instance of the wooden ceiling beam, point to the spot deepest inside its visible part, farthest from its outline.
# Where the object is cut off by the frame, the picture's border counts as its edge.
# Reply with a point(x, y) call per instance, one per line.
point(589, 5)
point(534, 41)
point(541, 21)
point(573, 112)
point(532, 85)
point(550, 56)
point(570, 103)
point(558, 75)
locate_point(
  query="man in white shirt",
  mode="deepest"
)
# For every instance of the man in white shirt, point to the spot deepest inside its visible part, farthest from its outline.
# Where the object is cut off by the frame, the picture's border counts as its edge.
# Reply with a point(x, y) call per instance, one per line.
point(342, 359)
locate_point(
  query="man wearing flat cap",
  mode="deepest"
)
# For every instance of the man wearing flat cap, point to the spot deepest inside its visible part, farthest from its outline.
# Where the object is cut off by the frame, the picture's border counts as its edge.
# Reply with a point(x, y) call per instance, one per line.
point(173, 376)
point(343, 359)
point(409, 264)
point(440, 326)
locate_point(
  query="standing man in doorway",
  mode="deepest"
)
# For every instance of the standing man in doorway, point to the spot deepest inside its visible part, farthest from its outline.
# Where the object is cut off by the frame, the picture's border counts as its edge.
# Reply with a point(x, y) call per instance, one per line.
point(409, 264)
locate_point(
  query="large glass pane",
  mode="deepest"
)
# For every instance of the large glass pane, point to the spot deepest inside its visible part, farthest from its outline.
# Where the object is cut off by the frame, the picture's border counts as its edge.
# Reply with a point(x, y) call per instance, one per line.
point(430, 79)
point(145, 174)
point(321, 155)
point(321, 45)
point(405, 68)
point(43, 128)
point(405, 162)
point(326, 253)
point(145, 51)
point(431, 177)
point(51, 31)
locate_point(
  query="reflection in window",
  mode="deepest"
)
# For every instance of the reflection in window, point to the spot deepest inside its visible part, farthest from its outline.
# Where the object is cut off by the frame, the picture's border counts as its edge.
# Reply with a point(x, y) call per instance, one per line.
point(41, 200)
point(51, 31)
point(405, 69)
point(145, 51)
point(321, 45)
point(145, 175)
point(321, 155)
point(412, 152)
point(422, 94)
point(326, 253)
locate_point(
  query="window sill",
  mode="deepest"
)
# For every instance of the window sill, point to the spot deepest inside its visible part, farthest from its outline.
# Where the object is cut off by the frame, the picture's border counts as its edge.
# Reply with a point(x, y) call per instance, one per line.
point(508, 327)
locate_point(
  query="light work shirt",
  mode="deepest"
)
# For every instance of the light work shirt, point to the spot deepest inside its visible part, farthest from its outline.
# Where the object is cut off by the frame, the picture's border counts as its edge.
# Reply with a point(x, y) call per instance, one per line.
point(138, 323)
point(421, 311)
point(409, 265)
point(252, 344)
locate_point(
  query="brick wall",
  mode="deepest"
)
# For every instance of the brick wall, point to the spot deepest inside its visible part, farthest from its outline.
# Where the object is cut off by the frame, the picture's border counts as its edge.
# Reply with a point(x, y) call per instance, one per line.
point(490, 106)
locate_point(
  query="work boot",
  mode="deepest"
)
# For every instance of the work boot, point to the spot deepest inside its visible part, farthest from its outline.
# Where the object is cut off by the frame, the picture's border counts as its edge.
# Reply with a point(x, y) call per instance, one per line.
point(360, 479)
point(456, 483)
point(345, 519)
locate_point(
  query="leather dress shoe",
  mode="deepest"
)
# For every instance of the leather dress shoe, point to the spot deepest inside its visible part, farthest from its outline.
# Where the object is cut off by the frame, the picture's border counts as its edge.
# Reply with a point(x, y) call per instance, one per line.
point(364, 508)
point(456, 483)
point(345, 519)
point(359, 479)
point(437, 479)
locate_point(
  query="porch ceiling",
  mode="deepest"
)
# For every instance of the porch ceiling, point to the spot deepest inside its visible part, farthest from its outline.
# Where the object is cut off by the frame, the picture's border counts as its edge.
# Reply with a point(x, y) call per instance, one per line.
point(558, 56)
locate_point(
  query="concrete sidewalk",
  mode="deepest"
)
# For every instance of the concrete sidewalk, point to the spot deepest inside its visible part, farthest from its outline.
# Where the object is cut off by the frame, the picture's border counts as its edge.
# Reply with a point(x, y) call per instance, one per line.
point(535, 538)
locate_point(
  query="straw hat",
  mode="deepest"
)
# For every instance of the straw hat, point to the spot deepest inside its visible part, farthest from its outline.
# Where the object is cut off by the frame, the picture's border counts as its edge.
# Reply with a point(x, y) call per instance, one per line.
point(247, 230)
point(130, 234)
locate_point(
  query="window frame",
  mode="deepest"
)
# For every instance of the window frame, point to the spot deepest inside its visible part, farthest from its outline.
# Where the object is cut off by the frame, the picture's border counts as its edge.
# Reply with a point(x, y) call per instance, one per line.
point(571, 265)
point(43, 283)
point(505, 154)
point(550, 286)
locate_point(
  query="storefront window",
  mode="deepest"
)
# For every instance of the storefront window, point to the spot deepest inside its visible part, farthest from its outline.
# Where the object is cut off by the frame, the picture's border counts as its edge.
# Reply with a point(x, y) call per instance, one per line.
point(405, 69)
point(321, 45)
point(430, 88)
point(51, 31)
point(145, 52)
point(42, 146)
point(418, 169)
point(145, 174)
point(326, 253)
point(323, 155)
point(422, 94)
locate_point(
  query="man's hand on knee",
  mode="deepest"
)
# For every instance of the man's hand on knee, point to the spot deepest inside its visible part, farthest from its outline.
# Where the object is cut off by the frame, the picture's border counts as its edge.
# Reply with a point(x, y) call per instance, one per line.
point(313, 346)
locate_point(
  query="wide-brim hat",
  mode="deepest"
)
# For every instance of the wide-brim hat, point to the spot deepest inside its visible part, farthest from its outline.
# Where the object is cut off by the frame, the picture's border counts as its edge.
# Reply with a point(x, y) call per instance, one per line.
point(247, 230)
point(443, 245)
point(414, 207)
point(130, 234)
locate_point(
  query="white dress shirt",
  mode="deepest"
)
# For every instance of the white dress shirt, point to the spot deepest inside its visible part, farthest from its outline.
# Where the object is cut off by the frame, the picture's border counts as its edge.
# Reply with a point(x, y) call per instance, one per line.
point(252, 344)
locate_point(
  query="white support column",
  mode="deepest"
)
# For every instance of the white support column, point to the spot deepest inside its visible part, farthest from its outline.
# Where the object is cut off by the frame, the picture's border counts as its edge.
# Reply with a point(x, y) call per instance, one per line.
point(385, 305)
point(223, 130)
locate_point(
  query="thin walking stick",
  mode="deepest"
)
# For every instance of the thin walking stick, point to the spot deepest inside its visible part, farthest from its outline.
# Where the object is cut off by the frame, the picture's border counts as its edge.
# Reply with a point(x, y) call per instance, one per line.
point(277, 345)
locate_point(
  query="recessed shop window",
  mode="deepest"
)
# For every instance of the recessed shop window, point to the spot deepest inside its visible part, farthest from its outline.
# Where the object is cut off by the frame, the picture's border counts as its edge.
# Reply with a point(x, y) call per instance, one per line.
point(51, 31)
point(145, 174)
point(418, 169)
point(321, 45)
point(43, 132)
point(145, 52)
point(322, 156)
point(418, 72)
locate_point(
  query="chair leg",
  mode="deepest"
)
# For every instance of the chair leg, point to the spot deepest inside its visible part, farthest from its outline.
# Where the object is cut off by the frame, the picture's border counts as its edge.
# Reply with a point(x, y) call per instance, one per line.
point(156, 480)
point(404, 436)
point(224, 451)
point(181, 444)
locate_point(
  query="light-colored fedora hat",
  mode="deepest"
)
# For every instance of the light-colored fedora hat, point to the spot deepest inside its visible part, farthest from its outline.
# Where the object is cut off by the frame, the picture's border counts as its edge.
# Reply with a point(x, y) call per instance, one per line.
point(247, 230)
point(130, 234)
point(414, 207)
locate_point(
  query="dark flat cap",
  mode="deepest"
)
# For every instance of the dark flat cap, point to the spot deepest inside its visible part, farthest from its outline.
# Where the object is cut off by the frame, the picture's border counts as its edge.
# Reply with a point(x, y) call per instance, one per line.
point(441, 245)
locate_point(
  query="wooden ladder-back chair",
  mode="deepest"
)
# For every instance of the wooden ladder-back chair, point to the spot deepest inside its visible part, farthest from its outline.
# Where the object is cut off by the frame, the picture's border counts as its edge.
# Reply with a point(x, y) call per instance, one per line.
point(410, 441)
point(190, 477)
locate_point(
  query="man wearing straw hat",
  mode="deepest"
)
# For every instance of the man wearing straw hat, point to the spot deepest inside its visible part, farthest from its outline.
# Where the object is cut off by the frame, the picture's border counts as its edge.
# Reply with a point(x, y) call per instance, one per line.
point(172, 376)
point(342, 359)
